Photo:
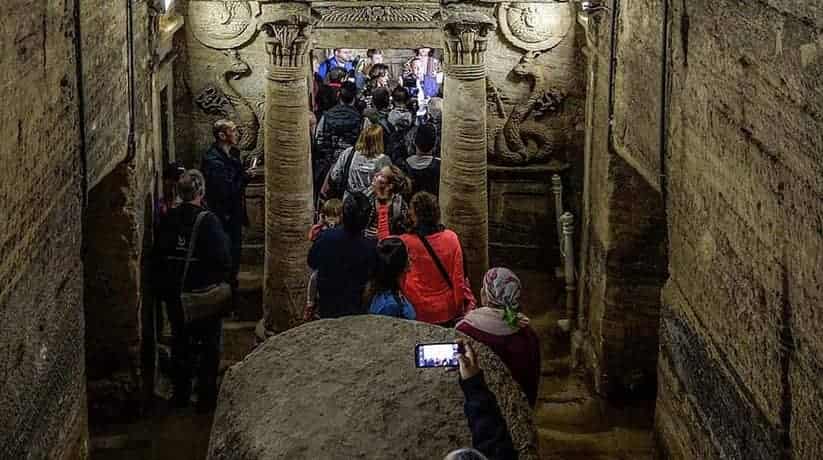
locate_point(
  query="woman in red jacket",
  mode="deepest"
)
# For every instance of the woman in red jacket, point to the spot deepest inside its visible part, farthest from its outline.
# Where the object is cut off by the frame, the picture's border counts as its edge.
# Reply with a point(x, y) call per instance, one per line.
point(434, 282)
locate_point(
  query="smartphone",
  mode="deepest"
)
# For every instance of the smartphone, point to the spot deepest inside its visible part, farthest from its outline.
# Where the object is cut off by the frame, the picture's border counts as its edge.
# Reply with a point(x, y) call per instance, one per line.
point(254, 163)
point(436, 354)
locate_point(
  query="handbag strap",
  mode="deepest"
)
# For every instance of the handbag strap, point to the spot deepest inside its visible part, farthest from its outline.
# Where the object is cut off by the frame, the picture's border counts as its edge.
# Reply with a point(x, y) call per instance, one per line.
point(436, 260)
point(347, 171)
point(192, 243)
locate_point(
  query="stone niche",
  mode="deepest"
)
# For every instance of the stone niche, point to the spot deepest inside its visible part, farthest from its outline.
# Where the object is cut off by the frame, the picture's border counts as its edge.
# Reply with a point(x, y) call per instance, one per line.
point(535, 104)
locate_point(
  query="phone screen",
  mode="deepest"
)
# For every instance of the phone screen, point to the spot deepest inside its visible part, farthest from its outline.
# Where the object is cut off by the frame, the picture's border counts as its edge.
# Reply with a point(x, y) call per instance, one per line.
point(436, 354)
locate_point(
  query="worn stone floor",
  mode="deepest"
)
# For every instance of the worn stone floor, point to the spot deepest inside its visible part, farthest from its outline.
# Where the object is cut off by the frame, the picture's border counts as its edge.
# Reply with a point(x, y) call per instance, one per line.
point(571, 423)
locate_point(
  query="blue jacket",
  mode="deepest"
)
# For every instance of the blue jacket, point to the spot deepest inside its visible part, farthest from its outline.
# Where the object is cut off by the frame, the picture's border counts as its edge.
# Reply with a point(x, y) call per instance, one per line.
point(226, 182)
point(329, 64)
point(386, 303)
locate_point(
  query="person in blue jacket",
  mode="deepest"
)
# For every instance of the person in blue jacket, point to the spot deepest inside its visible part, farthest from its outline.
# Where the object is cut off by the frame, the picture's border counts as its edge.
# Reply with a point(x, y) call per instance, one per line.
point(341, 58)
point(383, 294)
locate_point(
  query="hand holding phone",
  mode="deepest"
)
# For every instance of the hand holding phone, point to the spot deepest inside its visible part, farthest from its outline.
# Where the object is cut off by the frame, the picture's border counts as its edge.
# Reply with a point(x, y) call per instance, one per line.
point(467, 359)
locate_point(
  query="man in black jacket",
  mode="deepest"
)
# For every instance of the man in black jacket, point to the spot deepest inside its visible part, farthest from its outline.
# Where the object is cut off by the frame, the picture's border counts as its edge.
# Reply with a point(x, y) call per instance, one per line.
point(490, 435)
point(210, 265)
point(226, 182)
point(336, 131)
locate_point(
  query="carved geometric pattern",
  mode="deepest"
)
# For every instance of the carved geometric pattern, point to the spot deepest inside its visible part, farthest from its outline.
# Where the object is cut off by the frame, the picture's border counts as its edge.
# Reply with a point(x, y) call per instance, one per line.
point(534, 26)
point(379, 15)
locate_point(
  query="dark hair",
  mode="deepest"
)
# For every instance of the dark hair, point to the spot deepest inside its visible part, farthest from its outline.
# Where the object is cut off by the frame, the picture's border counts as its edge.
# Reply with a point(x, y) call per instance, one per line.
point(426, 137)
point(400, 95)
point(392, 260)
point(348, 92)
point(337, 75)
point(426, 209)
point(380, 98)
point(378, 70)
point(468, 454)
point(327, 97)
point(173, 171)
point(373, 51)
point(356, 209)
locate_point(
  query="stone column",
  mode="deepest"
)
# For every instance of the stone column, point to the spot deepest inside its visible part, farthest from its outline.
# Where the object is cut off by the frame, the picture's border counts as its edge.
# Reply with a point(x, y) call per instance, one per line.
point(463, 182)
point(288, 172)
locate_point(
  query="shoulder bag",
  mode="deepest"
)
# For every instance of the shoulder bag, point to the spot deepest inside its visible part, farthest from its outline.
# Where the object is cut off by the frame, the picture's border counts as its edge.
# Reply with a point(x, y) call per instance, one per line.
point(207, 302)
point(470, 302)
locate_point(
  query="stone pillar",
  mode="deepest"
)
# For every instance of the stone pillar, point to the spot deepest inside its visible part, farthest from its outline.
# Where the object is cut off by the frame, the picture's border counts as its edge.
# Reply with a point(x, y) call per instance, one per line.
point(463, 181)
point(288, 172)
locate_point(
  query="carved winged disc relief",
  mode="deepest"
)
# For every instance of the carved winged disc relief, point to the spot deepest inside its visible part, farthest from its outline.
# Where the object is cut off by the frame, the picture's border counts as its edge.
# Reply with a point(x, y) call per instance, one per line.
point(535, 26)
point(365, 15)
point(223, 24)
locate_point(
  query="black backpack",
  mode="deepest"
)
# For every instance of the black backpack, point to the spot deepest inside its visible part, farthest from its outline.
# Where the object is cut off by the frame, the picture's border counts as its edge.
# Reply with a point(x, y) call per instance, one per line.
point(394, 141)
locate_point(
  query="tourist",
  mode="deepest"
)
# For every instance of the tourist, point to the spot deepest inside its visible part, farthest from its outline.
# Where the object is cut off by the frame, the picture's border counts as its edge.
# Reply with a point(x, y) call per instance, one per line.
point(171, 175)
point(210, 264)
point(226, 182)
point(364, 67)
point(341, 58)
point(490, 435)
point(378, 78)
point(383, 294)
point(344, 261)
point(388, 207)
point(500, 326)
point(336, 131)
point(329, 218)
point(327, 98)
point(355, 167)
point(435, 281)
point(422, 167)
point(401, 120)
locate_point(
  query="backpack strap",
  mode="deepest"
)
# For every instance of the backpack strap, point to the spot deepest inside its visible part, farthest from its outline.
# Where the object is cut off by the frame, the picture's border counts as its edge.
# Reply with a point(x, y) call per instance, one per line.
point(192, 243)
point(436, 259)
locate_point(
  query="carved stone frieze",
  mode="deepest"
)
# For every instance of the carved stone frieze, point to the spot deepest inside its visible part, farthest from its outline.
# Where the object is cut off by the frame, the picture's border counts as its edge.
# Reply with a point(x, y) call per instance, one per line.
point(466, 38)
point(223, 24)
point(287, 40)
point(384, 16)
point(535, 26)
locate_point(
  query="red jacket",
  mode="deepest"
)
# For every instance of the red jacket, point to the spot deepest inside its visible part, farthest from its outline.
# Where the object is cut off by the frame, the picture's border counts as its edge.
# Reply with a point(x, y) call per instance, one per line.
point(424, 286)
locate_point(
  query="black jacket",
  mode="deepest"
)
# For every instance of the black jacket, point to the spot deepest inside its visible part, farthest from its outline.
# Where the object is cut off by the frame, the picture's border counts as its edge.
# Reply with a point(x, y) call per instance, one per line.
point(490, 435)
point(336, 131)
point(211, 261)
point(425, 179)
point(226, 182)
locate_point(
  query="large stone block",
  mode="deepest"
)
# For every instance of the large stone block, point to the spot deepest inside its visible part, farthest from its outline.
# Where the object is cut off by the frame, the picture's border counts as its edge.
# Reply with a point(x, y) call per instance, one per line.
point(348, 388)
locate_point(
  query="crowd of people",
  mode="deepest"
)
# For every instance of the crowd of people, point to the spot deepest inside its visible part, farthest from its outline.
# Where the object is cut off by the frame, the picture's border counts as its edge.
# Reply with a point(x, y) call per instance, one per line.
point(378, 244)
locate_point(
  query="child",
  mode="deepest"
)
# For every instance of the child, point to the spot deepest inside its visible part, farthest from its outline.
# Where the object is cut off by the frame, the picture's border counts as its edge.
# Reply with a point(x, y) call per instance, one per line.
point(329, 218)
point(383, 294)
point(388, 208)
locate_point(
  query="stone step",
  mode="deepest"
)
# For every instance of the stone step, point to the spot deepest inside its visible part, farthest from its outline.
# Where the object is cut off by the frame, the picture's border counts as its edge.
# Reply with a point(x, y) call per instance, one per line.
point(253, 254)
point(615, 444)
point(238, 340)
point(250, 293)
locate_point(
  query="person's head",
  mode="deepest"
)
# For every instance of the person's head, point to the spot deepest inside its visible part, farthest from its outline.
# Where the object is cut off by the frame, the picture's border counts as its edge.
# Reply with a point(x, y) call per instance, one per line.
point(336, 76)
point(435, 109)
point(381, 98)
point(191, 187)
point(171, 175)
point(379, 75)
point(327, 98)
point(424, 210)
point(423, 52)
point(370, 142)
point(225, 132)
point(348, 92)
point(392, 262)
point(400, 96)
point(332, 212)
point(425, 139)
point(356, 209)
point(390, 180)
point(465, 454)
point(501, 290)
point(343, 55)
point(375, 55)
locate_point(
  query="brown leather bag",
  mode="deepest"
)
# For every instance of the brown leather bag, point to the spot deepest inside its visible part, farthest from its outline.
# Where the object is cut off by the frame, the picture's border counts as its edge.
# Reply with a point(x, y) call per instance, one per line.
point(210, 301)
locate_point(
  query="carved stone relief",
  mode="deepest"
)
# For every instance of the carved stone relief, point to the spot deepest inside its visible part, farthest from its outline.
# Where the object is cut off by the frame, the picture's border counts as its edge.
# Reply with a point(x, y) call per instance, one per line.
point(287, 41)
point(378, 16)
point(466, 37)
point(223, 24)
point(511, 144)
point(534, 26)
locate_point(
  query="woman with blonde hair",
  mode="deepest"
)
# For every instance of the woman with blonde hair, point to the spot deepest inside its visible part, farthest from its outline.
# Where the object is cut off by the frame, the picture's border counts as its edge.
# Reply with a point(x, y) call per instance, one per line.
point(355, 168)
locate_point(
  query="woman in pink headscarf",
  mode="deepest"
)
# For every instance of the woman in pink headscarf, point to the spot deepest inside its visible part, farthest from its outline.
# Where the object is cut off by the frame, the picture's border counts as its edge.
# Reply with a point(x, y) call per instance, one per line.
point(500, 326)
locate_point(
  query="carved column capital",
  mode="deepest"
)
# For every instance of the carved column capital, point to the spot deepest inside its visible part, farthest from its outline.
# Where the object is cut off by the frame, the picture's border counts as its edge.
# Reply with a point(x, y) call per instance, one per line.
point(287, 42)
point(466, 40)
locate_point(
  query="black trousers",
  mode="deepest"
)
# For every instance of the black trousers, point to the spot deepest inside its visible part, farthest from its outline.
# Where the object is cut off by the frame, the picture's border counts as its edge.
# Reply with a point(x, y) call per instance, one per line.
point(198, 341)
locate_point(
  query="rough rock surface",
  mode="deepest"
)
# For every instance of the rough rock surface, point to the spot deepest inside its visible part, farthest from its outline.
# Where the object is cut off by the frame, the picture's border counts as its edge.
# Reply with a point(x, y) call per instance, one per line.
point(348, 389)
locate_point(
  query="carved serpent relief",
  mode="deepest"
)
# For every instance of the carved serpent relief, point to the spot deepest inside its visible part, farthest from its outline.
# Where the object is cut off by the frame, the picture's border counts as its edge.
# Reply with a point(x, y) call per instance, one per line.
point(225, 101)
point(510, 144)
